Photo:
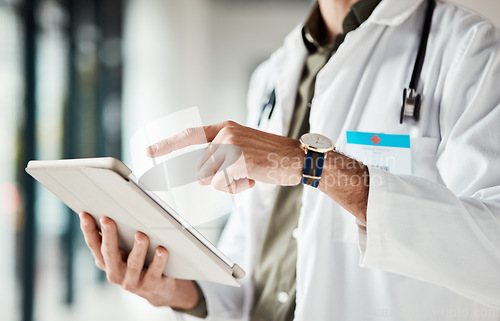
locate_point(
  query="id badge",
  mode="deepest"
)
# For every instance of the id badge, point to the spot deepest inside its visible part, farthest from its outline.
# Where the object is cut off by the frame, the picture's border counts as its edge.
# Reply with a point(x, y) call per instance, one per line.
point(391, 153)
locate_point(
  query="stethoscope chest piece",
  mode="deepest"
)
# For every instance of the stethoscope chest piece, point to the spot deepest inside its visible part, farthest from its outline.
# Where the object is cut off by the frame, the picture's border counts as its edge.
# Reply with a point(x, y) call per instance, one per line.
point(411, 105)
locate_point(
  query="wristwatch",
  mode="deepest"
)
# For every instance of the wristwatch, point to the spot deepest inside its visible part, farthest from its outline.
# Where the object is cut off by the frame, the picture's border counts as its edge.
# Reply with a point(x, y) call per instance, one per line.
point(315, 147)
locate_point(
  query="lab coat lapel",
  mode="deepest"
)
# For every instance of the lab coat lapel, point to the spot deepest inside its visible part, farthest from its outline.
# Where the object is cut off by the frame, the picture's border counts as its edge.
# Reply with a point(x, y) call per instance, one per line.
point(330, 117)
point(288, 63)
point(394, 12)
point(338, 102)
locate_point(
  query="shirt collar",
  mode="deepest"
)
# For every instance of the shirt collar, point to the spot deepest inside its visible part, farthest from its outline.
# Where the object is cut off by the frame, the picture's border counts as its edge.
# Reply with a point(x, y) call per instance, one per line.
point(314, 25)
point(363, 9)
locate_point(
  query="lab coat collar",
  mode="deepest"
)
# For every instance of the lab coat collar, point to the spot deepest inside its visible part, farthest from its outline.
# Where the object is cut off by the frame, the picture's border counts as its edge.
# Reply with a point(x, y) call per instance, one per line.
point(388, 12)
point(394, 12)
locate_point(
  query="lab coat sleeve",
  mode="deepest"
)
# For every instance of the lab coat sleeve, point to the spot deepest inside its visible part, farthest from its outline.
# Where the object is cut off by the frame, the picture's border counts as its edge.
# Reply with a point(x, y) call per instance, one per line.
point(449, 234)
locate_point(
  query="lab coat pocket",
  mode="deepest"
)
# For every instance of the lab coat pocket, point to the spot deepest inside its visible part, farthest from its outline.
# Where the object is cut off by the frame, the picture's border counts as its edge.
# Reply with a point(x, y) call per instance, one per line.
point(423, 152)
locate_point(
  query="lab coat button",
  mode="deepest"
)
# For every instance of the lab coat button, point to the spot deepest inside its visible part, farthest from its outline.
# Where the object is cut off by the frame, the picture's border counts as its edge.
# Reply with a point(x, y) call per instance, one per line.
point(282, 297)
point(295, 233)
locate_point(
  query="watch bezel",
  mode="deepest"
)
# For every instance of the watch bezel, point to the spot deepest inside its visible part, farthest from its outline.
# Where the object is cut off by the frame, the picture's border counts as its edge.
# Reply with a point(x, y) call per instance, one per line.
point(323, 150)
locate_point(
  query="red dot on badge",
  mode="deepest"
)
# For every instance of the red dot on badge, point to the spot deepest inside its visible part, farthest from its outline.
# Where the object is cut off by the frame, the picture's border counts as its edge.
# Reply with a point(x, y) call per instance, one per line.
point(375, 139)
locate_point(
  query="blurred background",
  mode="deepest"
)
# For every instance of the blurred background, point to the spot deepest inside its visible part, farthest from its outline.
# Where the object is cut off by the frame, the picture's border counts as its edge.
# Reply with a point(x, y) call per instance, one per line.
point(77, 79)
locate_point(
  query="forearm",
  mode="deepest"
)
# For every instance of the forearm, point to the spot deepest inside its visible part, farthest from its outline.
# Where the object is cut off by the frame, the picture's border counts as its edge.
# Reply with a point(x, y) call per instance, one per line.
point(346, 181)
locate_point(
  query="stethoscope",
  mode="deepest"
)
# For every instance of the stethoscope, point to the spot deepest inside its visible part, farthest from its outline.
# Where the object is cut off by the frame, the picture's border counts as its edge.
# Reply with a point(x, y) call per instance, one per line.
point(412, 100)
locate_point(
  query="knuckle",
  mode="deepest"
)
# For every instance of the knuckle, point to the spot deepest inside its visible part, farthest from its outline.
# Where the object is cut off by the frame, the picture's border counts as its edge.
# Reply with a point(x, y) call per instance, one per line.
point(100, 265)
point(162, 145)
point(112, 278)
point(224, 131)
point(220, 185)
point(94, 246)
point(228, 135)
point(127, 286)
point(89, 243)
point(188, 132)
point(231, 140)
point(133, 265)
point(229, 123)
point(106, 253)
point(207, 180)
point(205, 174)
point(153, 270)
point(154, 303)
point(148, 284)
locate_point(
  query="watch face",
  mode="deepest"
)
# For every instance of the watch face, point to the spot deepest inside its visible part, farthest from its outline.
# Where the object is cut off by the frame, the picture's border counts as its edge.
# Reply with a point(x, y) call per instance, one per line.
point(317, 141)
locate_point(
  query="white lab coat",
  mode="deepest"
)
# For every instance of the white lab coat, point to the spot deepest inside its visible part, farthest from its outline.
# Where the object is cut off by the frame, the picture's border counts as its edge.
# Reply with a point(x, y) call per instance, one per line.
point(431, 247)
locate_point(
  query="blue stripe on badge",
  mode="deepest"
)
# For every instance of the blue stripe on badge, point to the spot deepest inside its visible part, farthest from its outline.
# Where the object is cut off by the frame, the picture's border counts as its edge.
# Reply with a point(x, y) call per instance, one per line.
point(377, 139)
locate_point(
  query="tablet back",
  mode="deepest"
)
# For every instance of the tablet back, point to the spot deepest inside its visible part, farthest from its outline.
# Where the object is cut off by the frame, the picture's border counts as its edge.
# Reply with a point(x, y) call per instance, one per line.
point(105, 187)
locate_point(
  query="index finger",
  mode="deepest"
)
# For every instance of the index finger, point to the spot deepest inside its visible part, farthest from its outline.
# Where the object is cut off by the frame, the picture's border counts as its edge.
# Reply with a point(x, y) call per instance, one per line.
point(188, 137)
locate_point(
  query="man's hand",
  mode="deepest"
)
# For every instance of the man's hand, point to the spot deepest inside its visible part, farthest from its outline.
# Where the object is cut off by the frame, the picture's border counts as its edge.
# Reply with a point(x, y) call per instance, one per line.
point(128, 270)
point(237, 156)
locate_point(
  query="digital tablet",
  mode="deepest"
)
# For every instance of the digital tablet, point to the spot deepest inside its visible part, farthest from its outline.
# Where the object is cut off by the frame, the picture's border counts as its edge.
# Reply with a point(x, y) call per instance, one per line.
point(107, 187)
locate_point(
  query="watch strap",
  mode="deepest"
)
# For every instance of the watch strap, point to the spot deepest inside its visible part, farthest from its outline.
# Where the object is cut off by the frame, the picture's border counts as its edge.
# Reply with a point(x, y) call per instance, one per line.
point(313, 167)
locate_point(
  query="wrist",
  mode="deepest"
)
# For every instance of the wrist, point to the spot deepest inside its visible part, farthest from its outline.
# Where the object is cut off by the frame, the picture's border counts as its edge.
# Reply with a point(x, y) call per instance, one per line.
point(330, 172)
point(284, 166)
point(341, 172)
point(185, 295)
point(298, 168)
point(346, 181)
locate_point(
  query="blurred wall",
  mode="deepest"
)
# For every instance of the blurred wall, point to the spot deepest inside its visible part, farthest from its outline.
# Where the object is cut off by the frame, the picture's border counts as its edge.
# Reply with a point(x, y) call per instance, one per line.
point(201, 53)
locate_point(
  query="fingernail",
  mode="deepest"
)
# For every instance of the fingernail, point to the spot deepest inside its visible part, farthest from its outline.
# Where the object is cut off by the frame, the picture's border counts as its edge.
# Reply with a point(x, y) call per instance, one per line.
point(152, 149)
point(83, 221)
point(159, 253)
point(137, 240)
